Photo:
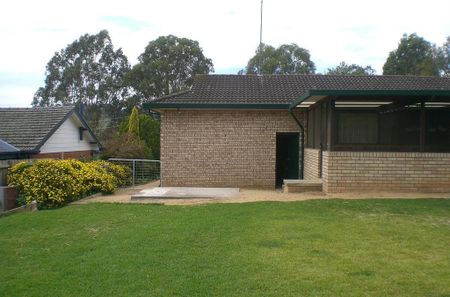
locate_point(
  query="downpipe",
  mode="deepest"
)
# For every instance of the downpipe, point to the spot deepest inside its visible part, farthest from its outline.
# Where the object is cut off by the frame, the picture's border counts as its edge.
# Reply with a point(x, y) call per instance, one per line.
point(302, 130)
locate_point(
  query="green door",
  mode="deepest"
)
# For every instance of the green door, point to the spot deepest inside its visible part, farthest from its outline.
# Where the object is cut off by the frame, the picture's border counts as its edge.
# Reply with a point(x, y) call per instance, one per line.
point(287, 157)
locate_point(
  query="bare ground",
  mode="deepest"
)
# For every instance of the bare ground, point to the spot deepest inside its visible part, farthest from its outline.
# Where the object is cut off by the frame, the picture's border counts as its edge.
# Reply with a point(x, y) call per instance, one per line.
point(249, 195)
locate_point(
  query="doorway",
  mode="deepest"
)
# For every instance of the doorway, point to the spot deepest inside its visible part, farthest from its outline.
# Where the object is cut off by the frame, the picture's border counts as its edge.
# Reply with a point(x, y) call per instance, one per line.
point(287, 157)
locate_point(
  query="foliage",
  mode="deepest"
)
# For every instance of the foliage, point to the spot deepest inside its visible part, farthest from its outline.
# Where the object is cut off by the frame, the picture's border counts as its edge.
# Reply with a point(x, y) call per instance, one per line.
point(351, 69)
point(333, 247)
point(88, 70)
point(53, 183)
point(127, 146)
point(101, 118)
point(445, 56)
point(168, 65)
point(133, 123)
point(149, 130)
point(413, 56)
point(286, 59)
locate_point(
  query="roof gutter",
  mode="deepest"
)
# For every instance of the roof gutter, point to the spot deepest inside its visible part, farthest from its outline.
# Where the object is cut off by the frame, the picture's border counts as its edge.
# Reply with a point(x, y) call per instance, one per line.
point(17, 155)
point(280, 106)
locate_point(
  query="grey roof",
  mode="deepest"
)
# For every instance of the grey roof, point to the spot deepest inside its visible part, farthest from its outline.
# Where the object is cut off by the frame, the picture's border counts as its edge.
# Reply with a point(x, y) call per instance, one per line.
point(28, 128)
point(283, 89)
point(7, 148)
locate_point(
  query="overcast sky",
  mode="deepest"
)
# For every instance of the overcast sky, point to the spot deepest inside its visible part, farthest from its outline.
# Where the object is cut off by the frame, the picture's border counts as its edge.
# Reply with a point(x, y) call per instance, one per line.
point(355, 31)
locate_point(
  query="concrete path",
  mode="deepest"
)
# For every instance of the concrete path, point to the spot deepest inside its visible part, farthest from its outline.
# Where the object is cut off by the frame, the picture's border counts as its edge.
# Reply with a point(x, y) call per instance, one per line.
point(185, 193)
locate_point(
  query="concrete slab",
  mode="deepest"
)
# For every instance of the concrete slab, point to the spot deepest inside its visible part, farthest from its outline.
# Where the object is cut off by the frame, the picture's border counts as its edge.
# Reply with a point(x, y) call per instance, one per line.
point(185, 193)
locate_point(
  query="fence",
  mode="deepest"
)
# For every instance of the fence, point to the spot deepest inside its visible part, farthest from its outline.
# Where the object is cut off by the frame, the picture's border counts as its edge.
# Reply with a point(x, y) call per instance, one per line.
point(142, 170)
point(5, 165)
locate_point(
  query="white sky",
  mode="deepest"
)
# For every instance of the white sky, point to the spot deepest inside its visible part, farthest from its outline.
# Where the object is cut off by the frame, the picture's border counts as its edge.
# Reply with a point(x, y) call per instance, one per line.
point(355, 31)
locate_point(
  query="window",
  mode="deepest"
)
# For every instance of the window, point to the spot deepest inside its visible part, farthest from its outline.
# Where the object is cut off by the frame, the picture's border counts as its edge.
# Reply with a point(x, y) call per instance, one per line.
point(357, 128)
point(80, 132)
point(400, 128)
point(438, 127)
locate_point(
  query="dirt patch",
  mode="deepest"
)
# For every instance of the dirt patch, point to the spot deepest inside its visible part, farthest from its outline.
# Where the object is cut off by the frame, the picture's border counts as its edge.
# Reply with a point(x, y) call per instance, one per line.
point(250, 195)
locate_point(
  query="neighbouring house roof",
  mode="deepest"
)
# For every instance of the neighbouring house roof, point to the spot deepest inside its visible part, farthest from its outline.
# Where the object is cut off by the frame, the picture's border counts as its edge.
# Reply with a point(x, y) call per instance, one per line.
point(7, 148)
point(280, 91)
point(27, 129)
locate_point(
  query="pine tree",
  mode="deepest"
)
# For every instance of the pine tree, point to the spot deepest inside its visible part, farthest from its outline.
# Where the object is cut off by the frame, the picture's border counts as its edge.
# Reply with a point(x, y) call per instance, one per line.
point(133, 123)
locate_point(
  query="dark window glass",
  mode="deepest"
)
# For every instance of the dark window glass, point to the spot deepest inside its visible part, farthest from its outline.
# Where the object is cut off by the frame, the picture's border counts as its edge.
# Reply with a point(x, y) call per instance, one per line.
point(357, 128)
point(400, 127)
point(438, 127)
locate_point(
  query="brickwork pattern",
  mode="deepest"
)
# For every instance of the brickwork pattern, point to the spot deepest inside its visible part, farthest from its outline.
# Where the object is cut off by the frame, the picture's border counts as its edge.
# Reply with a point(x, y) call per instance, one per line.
point(233, 148)
point(386, 171)
point(311, 161)
point(64, 155)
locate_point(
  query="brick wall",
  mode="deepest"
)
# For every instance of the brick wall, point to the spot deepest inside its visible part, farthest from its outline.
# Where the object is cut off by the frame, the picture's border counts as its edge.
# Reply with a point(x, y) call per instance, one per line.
point(312, 163)
point(386, 171)
point(64, 155)
point(233, 148)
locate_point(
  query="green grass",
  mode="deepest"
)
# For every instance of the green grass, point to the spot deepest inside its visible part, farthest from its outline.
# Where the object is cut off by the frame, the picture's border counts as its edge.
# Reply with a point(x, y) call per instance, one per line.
point(311, 248)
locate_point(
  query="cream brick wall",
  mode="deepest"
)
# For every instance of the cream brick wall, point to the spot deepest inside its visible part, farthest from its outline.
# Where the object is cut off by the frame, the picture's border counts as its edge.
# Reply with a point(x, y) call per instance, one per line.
point(312, 160)
point(233, 148)
point(386, 171)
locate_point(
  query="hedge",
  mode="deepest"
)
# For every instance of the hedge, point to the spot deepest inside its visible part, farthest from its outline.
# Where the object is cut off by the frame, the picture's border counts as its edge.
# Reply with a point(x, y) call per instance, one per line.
point(54, 183)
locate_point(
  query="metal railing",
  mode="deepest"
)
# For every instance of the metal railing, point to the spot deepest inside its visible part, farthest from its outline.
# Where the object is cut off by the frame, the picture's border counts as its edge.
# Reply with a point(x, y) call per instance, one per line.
point(142, 170)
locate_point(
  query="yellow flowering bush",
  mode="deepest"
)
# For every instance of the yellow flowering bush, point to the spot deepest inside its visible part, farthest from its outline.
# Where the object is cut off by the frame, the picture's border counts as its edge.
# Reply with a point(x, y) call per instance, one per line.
point(53, 183)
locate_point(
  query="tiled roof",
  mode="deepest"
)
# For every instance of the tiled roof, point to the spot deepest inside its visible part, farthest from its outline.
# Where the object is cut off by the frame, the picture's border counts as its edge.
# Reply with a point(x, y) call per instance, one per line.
point(283, 89)
point(27, 128)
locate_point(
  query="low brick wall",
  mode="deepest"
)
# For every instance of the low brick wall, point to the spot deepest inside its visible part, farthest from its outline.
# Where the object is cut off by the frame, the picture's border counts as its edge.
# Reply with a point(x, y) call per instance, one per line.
point(65, 155)
point(312, 163)
point(233, 148)
point(386, 171)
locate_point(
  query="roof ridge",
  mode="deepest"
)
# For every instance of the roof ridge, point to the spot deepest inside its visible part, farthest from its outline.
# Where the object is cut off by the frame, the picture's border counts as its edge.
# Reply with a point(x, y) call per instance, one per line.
point(321, 75)
point(39, 107)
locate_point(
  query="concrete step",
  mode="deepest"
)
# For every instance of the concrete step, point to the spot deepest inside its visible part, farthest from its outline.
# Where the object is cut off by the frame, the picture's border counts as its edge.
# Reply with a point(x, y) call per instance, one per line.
point(301, 185)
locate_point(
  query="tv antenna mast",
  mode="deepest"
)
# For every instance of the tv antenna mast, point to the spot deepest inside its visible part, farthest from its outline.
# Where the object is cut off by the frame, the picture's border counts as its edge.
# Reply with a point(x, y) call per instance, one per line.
point(260, 40)
point(260, 27)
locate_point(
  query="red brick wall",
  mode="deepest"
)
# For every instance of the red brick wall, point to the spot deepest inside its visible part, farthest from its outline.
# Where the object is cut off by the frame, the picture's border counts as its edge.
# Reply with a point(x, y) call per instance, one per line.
point(386, 171)
point(64, 155)
point(233, 148)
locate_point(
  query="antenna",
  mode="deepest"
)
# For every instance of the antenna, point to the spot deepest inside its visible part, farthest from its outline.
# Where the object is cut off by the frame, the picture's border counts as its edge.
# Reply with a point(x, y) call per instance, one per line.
point(260, 38)
point(260, 28)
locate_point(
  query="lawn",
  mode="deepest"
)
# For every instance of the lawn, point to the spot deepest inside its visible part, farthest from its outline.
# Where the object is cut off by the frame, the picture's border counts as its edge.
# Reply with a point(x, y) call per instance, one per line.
point(310, 248)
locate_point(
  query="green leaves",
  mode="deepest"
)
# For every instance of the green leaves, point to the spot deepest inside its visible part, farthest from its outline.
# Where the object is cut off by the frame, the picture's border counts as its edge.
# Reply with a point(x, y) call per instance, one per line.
point(87, 71)
point(168, 65)
point(133, 123)
point(445, 57)
point(149, 131)
point(286, 59)
point(414, 56)
point(350, 69)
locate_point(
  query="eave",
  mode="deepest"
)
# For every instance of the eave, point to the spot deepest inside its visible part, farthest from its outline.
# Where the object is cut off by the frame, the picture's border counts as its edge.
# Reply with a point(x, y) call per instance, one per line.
point(314, 96)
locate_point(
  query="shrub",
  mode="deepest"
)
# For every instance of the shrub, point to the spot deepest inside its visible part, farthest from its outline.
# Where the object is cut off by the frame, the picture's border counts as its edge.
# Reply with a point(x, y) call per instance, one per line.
point(148, 132)
point(120, 172)
point(125, 146)
point(54, 183)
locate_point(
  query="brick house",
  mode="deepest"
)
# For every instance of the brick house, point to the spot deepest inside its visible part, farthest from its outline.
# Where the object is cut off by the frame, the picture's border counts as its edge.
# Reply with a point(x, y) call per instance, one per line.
point(45, 132)
point(353, 133)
